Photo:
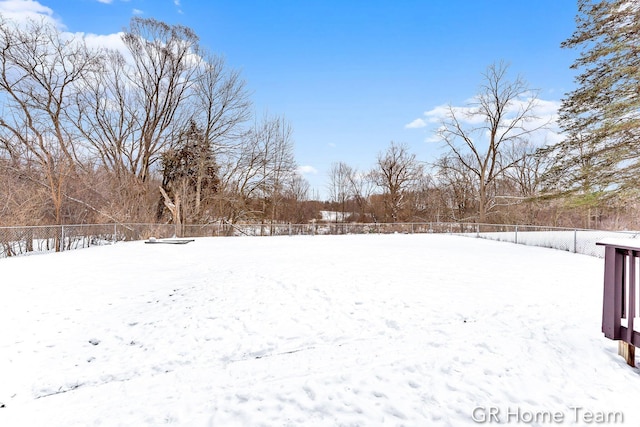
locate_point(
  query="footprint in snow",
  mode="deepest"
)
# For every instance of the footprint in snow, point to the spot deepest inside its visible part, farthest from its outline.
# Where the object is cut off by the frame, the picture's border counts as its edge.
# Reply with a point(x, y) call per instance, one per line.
point(392, 324)
point(310, 393)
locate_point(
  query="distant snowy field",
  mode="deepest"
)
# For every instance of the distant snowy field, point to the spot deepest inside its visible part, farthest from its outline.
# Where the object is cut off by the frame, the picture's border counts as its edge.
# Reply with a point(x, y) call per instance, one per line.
point(364, 330)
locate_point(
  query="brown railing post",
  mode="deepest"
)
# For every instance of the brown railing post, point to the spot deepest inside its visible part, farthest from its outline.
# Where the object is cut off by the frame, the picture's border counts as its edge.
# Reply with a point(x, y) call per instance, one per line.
point(631, 308)
point(626, 349)
point(619, 297)
point(612, 296)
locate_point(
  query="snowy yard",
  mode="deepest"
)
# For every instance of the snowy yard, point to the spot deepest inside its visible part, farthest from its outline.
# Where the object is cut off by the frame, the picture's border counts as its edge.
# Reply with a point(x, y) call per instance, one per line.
point(367, 330)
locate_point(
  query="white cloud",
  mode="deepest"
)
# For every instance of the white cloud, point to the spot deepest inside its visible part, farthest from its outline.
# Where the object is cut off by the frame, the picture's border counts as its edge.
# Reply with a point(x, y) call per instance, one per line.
point(464, 114)
point(20, 11)
point(302, 170)
point(111, 41)
point(416, 124)
point(547, 107)
point(434, 135)
point(23, 10)
point(435, 115)
point(24, 6)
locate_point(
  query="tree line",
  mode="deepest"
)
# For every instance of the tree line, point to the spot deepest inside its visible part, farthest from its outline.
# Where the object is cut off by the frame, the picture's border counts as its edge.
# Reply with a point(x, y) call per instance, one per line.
point(164, 132)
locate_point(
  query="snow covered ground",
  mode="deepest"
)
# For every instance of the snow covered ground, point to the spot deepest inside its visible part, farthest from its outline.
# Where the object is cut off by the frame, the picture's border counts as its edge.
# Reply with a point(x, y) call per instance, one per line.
point(366, 330)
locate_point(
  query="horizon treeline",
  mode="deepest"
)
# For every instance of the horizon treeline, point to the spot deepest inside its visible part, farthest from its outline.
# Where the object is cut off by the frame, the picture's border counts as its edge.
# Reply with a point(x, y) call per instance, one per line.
point(164, 131)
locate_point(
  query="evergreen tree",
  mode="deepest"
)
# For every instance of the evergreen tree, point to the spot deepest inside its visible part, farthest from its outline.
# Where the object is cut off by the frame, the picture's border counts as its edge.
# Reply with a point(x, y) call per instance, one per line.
point(601, 117)
point(189, 176)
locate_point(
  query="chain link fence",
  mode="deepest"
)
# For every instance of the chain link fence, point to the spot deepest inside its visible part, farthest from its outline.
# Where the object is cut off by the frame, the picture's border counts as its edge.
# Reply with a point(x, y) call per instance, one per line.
point(582, 241)
point(26, 240)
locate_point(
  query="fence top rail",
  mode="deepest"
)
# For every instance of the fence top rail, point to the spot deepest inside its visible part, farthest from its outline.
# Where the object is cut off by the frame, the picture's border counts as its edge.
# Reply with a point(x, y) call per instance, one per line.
point(362, 224)
point(6, 227)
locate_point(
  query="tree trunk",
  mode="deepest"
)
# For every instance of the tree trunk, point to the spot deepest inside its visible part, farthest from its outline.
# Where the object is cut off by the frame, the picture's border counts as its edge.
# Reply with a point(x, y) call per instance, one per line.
point(174, 208)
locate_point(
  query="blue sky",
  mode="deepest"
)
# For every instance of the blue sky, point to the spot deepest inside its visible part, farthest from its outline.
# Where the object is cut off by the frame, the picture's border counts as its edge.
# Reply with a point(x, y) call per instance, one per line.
point(350, 75)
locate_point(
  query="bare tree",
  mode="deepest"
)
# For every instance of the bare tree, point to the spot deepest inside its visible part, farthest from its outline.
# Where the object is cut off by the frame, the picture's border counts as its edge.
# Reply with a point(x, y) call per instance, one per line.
point(349, 187)
point(165, 59)
point(396, 172)
point(279, 165)
point(259, 170)
point(362, 186)
point(41, 70)
point(22, 196)
point(528, 168)
point(133, 111)
point(458, 187)
point(340, 185)
point(424, 200)
point(479, 135)
point(108, 117)
point(295, 197)
point(220, 104)
point(523, 181)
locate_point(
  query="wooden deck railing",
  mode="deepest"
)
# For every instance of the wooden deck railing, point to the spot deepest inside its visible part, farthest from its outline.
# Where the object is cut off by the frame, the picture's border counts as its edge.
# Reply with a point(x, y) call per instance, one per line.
point(620, 309)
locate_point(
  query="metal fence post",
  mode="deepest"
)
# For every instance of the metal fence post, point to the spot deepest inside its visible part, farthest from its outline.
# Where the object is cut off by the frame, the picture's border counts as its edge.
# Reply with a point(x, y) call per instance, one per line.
point(575, 241)
point(516, 240)
point(62, 238)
